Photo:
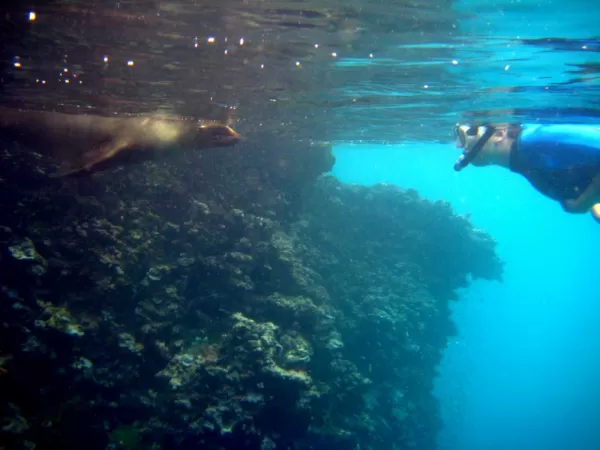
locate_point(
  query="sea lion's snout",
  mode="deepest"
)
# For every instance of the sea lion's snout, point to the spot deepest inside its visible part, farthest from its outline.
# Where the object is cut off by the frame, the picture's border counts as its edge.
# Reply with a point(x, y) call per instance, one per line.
point(220, 135)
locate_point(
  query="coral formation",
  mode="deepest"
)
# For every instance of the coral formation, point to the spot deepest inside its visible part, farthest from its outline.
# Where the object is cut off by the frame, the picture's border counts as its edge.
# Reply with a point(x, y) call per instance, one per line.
point(236, 299)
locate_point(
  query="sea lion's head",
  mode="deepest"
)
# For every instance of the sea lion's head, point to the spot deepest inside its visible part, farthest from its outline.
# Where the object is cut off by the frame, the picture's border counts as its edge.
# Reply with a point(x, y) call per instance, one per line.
point(217, 135)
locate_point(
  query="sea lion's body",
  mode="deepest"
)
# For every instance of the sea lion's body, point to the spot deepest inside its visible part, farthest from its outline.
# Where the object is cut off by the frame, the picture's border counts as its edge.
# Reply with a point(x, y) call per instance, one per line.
point(91, 143)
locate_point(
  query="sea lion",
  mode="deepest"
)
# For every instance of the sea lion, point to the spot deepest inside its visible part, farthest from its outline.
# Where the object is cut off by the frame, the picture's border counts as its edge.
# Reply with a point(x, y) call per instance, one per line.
point(85, 143)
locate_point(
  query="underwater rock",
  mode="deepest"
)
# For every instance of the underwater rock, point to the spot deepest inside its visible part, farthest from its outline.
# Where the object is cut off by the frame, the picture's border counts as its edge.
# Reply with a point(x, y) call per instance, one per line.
point(25, 252)
point(58, 318)
point(227, 302)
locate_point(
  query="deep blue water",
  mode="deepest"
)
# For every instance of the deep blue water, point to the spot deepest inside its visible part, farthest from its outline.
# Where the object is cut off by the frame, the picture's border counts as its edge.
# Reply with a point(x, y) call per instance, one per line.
point(524, 372)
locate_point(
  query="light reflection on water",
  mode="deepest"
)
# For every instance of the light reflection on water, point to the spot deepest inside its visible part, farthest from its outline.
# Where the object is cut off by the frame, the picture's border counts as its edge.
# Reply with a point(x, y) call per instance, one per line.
point(351, 71)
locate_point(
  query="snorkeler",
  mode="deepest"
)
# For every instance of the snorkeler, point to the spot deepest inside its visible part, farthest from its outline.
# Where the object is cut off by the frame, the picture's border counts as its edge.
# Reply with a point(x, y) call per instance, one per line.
point(562, 161)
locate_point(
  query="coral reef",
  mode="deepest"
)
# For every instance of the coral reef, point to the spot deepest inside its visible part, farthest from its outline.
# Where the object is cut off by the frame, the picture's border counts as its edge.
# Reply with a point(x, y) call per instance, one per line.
point(236, 299)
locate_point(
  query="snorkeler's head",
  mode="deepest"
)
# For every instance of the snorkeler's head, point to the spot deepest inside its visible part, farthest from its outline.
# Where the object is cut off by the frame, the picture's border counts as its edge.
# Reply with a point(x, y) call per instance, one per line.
point(472, 139)
point(484, 144)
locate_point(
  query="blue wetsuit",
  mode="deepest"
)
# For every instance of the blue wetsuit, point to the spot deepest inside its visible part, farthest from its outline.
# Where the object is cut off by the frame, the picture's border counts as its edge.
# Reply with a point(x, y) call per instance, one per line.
point(559, 160)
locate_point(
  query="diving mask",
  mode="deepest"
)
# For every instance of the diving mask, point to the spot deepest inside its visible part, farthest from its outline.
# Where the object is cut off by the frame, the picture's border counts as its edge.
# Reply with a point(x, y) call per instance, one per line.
point(463, 132)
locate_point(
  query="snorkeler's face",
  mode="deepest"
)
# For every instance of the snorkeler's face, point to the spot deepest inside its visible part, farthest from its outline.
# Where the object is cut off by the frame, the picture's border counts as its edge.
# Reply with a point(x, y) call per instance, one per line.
point(463, 135)
point(466, 142)
point(493, 149)
point(496, 148)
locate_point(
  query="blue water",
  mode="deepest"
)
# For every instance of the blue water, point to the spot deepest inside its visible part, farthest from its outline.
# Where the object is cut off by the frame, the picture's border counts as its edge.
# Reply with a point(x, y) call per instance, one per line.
point(525, 371)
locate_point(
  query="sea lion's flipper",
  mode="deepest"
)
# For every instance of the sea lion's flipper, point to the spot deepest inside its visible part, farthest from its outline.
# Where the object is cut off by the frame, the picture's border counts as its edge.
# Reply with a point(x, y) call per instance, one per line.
point(86, 162)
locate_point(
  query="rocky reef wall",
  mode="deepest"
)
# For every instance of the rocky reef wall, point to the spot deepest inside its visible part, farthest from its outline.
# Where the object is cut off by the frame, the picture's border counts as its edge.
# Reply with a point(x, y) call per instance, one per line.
point(235, 299)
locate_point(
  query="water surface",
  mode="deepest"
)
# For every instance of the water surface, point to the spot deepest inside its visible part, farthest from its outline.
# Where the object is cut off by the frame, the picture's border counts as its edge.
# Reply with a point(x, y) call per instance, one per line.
point(358, 71)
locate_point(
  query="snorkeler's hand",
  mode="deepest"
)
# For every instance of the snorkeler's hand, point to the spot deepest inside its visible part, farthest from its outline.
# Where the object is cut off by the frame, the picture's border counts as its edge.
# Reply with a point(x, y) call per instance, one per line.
point(586, 201)
point(574, 206)
point(596, 212)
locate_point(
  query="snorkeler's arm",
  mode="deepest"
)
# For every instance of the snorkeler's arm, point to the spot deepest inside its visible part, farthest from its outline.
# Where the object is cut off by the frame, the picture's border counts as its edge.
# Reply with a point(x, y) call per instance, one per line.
point(586, 200)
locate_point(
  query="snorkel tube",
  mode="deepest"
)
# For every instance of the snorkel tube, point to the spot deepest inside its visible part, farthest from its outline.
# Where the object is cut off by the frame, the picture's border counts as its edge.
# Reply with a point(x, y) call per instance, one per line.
point(470, 153)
